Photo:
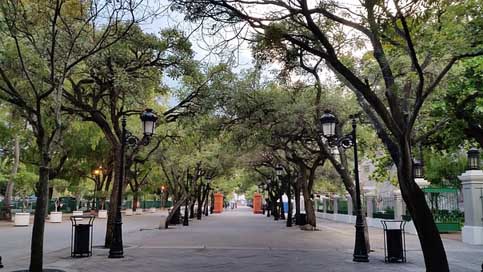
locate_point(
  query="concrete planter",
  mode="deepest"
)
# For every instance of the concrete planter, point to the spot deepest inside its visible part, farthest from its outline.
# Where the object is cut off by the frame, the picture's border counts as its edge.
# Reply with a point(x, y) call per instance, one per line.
point(55, 217)
point(22, 219)
point(139, 211)
point(102, 214)
point(129, 212)
point(152, 210)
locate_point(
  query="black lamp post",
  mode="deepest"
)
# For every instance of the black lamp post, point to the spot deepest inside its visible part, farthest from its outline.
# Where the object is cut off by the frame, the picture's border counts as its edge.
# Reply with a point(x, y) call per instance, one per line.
point(269, 200)
point(261, 191)
point(97, 175)
point(148, 117)
point(273, 201)
point(162, 197)
point(473, 159)
point(280, 184)
point(282, 174)
point(328, 122)
point(185, 217)
point(208, 189)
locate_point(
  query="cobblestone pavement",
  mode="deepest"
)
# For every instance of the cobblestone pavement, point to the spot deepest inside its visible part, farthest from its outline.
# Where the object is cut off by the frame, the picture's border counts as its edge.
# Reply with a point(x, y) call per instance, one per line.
point(241, 241)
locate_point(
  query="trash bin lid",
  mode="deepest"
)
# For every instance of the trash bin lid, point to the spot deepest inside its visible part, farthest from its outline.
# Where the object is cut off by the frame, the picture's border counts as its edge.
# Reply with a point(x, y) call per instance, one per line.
point(393, 224)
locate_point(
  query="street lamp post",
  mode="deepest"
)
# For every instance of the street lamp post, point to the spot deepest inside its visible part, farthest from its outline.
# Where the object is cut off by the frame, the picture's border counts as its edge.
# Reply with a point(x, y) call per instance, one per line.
point(328, 122)
point(273, 202)
point(185, 218)
point(280, 196)
point(282, 174)
point(262, 193)
point(162, 204)
point(97, 175)
point(208, 189)
point(269, 201)
point(148, 118)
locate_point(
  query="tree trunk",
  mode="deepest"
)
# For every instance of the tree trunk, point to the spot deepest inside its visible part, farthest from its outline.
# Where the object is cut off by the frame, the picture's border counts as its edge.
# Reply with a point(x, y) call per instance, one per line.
point(290, 208)
point(37, 245)
point(11, 181)
point(192, 210)
point(200, 203)
point(175, 209)
point(269, 207)
point(135, 199)
point(185, 218)
point(309, 206)
point(111, 215)
point(276, 215)
point(431, 243)
point(206, 205)
point(206, 199)
point(297, 203)
point(212, 203)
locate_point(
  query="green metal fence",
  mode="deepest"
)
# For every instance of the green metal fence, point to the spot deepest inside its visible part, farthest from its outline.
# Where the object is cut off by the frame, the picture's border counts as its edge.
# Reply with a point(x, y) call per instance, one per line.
point(443, 202)
point(342, 206)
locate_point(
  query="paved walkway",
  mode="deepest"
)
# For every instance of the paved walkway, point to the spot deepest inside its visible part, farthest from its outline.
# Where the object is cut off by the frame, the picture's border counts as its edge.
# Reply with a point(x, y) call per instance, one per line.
point(241, 241)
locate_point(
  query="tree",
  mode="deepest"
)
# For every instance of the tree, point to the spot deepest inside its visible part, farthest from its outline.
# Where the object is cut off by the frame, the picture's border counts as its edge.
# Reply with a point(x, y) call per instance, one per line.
point(461, 104)
point(123, 80)
point(43, 42)
point(12, 148)
point(411, 47)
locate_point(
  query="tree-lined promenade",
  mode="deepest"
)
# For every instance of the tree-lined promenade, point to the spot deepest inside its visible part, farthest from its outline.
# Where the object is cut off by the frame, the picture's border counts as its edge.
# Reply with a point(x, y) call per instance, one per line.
point(395, 83)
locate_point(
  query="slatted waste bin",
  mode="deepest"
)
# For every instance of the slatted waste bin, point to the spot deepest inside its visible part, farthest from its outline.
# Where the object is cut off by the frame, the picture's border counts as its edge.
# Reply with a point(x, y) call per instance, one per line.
point(81, 238)
point(394, 241)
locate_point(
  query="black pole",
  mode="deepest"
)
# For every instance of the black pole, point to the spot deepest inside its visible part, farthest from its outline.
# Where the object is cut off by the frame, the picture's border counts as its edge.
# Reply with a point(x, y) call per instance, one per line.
point(1, 265)
point(185, 219)
point(267, 200)
point(282, 209)
point(360, 249)
point(263, 207)
point(275, 212)
point(212, 203)
point(117, 249)
point(289, 196)
point(207, 199)
point(95, 194)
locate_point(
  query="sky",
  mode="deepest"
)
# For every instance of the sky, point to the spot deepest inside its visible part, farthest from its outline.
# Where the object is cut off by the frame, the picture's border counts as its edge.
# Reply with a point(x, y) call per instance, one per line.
point(200, 43)
point(171, 19)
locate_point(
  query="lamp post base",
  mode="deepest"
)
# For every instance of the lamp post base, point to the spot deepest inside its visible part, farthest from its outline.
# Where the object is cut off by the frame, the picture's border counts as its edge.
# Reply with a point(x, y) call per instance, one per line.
point(360, 249)
point(360, 259)
point(116, 255)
